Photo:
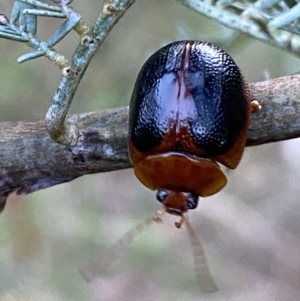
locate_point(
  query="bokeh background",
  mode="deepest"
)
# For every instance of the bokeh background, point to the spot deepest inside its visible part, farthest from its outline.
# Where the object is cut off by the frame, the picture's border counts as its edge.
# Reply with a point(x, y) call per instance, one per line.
point(250, 230)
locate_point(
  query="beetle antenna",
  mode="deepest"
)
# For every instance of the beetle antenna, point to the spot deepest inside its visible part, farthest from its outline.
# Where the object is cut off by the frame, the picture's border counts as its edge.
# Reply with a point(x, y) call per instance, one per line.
point(100, 264)
point(203, 275)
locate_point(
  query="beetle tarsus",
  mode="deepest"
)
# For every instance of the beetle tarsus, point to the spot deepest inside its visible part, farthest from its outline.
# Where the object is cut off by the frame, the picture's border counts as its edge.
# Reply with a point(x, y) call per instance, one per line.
point(179, 223)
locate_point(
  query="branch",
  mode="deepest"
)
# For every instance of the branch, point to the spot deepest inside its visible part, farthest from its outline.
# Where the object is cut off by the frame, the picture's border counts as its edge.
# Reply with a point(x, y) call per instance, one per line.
point(30, 160)
point(266, 21)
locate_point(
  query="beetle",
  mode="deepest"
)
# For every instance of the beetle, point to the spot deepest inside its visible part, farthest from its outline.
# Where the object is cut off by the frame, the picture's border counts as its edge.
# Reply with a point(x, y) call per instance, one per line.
point(189, 112)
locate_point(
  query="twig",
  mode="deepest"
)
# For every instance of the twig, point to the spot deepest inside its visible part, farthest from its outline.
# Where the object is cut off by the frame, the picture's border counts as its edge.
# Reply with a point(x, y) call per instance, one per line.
point(59, 130)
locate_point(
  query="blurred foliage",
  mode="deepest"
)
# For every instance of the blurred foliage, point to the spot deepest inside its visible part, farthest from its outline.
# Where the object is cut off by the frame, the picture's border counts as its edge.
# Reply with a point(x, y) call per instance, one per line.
point(250, 230)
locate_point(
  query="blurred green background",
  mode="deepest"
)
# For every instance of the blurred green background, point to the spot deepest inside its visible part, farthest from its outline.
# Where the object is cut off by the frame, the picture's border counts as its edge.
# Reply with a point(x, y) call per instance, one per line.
point(250, 230)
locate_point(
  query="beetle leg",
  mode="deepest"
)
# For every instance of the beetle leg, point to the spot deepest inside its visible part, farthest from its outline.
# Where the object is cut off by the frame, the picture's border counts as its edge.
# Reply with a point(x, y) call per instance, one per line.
point(179, 223)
